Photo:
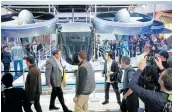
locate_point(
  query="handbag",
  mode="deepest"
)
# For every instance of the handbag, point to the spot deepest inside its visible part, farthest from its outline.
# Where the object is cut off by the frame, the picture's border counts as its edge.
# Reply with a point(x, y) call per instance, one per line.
point(113, 77)
point(63, 84)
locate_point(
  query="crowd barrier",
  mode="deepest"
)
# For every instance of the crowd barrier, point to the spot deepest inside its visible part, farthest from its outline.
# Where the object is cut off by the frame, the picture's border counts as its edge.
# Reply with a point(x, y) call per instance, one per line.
point(74, 71)
point(93, 99)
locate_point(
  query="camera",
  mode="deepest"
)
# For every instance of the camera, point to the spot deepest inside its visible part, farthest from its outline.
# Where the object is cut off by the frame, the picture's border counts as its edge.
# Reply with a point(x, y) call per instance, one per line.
point(150, 58)
point(149, 76)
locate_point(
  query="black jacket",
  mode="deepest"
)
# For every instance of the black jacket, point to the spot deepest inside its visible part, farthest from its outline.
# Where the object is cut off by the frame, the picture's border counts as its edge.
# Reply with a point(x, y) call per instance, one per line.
point(33, 84)
point(5, 57)
point(155, 101)
point(15, 99)
point(114, 68)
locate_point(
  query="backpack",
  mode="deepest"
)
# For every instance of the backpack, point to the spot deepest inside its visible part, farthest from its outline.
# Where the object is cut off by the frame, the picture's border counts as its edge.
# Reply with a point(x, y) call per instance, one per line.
point(168, 105)
point(117, 75)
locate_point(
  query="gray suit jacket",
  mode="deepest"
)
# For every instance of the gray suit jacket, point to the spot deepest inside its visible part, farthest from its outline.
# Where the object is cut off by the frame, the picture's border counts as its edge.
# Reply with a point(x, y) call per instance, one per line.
point(53, 73)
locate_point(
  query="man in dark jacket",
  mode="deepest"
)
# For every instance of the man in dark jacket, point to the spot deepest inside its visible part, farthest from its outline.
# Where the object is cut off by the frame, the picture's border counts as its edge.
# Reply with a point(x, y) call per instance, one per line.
point(33, 86)
point(6, 58)
point(155, 101)
point(85, 83)
point(130, 102)
point(13, 99)
point(110, 67)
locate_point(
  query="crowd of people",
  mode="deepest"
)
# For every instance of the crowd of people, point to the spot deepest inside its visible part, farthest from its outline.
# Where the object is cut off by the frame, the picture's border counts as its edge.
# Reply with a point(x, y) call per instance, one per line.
point(133, 47)
point(13, 99)
point(151, 82)
point(17, 53)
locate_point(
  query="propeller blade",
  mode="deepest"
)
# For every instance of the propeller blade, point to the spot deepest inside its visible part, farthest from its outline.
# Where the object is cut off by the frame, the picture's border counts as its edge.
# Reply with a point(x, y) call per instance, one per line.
point(15, 17)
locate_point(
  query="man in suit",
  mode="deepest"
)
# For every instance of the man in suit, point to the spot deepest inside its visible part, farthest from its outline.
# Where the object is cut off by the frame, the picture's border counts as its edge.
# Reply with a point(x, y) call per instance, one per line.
point(33, 86)
point(54, 73)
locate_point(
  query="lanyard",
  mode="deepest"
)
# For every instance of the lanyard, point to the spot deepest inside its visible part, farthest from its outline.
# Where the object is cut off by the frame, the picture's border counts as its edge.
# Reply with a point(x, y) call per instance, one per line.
point(169, 93)
point(8, 88)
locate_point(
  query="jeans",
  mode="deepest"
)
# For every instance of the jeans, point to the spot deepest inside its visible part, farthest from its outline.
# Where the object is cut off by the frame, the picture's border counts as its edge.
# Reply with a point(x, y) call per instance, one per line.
point(103, 55)
point(82, 104)
point(16, 62)
point(115, 88)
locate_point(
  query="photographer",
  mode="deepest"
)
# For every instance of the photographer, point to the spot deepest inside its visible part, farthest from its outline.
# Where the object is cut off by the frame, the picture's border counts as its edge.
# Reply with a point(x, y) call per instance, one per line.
point(163, 56)
point(149, 78)
point(155, 101)
point(169, 60)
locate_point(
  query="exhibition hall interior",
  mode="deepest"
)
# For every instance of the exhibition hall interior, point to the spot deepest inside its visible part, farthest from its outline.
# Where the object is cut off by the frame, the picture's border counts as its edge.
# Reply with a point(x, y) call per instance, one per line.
point(67, 50)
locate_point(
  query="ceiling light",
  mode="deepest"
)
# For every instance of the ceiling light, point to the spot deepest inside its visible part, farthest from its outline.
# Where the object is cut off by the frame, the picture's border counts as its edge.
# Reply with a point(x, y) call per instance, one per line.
point(9, 12)
point(144, 5)
point(91, 16)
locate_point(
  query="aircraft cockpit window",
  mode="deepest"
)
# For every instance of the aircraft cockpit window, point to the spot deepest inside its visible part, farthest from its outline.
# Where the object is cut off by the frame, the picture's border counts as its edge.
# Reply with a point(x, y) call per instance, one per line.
point(74, 43)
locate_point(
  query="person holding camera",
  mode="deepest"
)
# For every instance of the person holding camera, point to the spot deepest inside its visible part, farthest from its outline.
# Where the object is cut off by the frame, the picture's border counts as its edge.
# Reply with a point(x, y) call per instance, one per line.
point(169, 60)
point(156, 101)
point(163, 56)
point(130, 102)
point(110, 67)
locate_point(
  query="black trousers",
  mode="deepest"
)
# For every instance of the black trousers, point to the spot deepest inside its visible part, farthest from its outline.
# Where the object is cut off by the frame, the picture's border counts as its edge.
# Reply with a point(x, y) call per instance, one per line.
point(120, 57)
point(6, 67)
point(132, 51)
point(37, 104)
point(96, 51)
point(131, 104)
point(141, 48)
point(57, 92)
point(115, 88)
point(113, 54)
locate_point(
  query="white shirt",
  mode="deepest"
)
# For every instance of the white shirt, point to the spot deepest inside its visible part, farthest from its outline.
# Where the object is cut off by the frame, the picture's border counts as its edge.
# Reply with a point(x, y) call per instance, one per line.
point(59, 65)
point(34, 47)
point(109, 64)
